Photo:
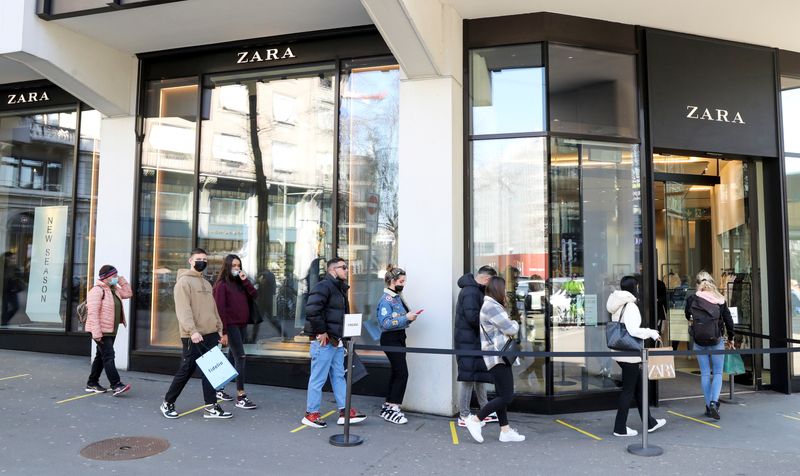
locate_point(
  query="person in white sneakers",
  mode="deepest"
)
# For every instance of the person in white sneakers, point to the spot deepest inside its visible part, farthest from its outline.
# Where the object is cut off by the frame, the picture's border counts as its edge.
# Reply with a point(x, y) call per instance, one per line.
point(622, 306)
point(496, 329)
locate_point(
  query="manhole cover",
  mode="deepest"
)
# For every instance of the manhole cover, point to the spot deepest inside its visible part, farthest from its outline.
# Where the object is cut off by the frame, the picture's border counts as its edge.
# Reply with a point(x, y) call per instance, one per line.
point(128, 447)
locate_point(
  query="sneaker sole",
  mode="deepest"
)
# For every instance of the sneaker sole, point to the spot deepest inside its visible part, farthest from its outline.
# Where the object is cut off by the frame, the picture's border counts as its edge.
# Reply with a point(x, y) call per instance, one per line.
point(312, 424)
point(247, 408)
point(217, 417)
point(124, 389)
point(340, 421)
point(170, 417)
point(89, 390)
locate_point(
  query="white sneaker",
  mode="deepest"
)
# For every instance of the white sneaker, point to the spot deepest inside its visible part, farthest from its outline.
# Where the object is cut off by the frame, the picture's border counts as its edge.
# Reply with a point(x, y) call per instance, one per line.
point(511, 436)
point(463, 422)
point(659, 423)
point(629, 432)
point(474, 428)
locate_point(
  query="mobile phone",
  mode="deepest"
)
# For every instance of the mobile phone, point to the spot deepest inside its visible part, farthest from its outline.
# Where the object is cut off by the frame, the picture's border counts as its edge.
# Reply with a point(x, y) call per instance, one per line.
point(419, 312)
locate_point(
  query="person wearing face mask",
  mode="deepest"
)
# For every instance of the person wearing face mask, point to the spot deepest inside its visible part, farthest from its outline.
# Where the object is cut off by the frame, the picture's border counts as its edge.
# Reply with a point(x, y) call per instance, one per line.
point(394, 317)
point(234, 293)
point(104, 314)
point(200, 329)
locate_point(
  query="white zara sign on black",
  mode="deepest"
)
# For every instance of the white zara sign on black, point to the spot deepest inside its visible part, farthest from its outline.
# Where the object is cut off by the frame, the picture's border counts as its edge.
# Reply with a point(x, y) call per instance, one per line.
point(263, 54)
point(27, 97)
point(708, 95)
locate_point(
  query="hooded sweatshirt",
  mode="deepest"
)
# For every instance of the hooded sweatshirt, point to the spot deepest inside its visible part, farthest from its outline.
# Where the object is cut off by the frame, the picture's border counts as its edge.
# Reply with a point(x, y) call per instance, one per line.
point(631, 318)
point(194, 305)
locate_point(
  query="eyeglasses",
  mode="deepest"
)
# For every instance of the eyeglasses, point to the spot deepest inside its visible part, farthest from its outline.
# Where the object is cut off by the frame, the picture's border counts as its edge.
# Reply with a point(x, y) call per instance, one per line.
point(344, 266)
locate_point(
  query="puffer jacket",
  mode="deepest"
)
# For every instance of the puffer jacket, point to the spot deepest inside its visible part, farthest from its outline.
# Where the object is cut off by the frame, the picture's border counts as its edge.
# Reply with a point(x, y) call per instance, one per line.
point(632, 319)
point(467, 331)
point(327, 304)
point(100, 307)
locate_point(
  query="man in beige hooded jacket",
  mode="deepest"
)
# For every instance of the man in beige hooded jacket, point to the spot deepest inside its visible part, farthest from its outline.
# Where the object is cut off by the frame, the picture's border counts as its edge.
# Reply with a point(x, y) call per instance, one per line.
point(200, 329)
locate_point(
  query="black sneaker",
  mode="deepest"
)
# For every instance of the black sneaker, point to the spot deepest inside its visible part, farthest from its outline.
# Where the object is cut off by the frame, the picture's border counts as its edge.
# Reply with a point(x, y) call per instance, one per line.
point(243, 402)
point(713, 409)
point(221, 395)
point(121, 388)
point(216, 411)
point(168, 410)
point(96, 388)
point(708, 412)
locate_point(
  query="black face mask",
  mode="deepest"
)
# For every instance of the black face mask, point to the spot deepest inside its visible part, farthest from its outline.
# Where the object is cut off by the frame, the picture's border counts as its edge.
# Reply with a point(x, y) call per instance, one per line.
point(399, 288)
point(200, 265)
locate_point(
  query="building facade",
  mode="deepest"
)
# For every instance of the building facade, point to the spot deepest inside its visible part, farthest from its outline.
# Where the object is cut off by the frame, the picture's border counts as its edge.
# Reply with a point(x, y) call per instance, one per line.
point(565, 149)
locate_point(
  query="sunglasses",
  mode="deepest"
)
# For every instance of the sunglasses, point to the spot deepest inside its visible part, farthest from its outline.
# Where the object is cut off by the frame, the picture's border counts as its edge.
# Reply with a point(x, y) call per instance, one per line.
point(344, 266)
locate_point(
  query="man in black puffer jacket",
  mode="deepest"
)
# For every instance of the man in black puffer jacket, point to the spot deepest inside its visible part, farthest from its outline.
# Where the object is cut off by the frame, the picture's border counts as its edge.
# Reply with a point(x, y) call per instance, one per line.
point(327, 304)
point(472, 372)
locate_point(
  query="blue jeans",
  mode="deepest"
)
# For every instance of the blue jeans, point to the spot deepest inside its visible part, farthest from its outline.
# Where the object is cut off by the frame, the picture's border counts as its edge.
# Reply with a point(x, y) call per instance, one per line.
point(326, 361)
point(711, 364)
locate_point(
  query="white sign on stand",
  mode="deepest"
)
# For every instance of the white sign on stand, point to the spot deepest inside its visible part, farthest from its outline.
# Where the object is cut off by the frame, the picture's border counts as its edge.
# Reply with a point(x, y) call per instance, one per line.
point(734, 314)
point(352, 325)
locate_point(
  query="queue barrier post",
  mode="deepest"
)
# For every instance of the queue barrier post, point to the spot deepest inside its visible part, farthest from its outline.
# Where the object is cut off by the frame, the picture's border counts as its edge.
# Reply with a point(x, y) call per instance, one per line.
point(644, 449)
point(352, 326)
point(731, 398)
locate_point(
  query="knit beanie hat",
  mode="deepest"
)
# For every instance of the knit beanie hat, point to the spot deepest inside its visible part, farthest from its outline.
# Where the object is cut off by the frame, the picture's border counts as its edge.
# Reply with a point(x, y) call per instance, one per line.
point(106, 271)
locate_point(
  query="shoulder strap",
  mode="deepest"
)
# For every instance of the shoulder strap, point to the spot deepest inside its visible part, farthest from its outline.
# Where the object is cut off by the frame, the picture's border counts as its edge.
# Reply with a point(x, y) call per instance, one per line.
point(622, 313)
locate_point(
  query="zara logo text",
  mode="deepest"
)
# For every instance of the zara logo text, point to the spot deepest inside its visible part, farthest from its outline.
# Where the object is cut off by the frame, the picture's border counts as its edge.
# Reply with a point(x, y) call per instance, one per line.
point(720, 115)
point(27, 97)
point(264, 55)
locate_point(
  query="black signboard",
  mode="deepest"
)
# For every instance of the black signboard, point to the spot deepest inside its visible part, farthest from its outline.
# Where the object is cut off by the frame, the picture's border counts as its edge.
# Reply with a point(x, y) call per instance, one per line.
point(33, 95)
point(711, 96)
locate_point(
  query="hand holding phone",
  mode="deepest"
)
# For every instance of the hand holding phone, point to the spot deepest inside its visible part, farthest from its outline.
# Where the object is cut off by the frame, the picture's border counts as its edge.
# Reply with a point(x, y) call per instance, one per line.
point(419, 312)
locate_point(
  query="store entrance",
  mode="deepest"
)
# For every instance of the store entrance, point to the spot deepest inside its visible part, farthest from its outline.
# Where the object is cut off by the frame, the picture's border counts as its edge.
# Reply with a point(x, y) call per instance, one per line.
point(706, 220)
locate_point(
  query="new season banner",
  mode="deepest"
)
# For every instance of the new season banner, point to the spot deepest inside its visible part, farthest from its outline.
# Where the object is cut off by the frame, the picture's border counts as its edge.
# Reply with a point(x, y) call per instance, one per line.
point(47, 264)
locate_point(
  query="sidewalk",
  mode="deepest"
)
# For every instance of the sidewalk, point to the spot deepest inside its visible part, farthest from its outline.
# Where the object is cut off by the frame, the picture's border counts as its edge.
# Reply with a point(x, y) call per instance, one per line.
point(40, 436)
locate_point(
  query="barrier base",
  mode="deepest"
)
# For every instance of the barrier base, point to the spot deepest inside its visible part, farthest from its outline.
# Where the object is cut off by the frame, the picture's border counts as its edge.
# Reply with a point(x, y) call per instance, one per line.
point(731, 401)
point(338, 440)
point(651, 450)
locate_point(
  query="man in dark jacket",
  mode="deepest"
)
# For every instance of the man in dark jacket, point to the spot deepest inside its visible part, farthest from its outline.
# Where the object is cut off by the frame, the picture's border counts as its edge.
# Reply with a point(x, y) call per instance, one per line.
point(472, 372)
point(327, 304)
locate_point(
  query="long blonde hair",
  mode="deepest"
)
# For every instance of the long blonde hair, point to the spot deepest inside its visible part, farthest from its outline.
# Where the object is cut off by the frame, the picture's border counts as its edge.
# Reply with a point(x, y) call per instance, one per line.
point(706, 283)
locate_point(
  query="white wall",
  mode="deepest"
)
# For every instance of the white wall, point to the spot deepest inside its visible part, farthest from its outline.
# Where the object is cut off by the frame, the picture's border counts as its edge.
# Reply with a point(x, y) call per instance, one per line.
point(431, 232)
point(116, 195)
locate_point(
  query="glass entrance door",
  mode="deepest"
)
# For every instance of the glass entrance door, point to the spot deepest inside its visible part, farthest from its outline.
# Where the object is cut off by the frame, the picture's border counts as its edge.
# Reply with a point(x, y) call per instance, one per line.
point(705, 221)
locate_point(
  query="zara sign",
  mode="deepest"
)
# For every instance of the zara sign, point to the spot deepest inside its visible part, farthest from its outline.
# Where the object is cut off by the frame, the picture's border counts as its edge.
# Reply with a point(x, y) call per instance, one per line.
point(707, 95)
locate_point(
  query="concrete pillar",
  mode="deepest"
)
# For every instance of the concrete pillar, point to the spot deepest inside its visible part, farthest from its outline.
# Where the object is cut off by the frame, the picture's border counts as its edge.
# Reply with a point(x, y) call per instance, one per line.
point(116, 195)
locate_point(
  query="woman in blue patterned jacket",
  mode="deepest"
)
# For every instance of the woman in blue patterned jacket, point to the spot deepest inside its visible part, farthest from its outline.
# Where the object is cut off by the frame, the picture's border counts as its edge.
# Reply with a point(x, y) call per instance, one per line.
point(394, 316)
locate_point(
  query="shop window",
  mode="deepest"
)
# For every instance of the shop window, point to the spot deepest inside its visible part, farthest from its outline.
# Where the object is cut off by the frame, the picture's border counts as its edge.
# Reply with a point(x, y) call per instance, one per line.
point(284, 109)
point(592, 92)
point(507, 90)
point(284, 157)
point(595, 237)
point(790, 104)
point(38, 208)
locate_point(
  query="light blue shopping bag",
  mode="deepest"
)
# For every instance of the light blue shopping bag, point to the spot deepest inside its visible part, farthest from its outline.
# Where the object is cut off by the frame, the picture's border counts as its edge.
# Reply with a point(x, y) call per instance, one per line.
point(216, 368)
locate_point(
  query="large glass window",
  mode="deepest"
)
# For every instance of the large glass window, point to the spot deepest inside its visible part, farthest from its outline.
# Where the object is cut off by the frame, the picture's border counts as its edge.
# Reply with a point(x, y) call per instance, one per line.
point(507, 90)
point(166, 207)
point(595, 240)
point(37, 153)
point(790, 102)
point(368, 167)
point(592, 92)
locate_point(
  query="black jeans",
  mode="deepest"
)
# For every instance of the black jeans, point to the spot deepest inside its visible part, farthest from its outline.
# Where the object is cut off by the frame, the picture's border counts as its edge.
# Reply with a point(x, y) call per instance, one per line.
point(399, 377)
point(236, 352)
point(504, 388)
point(10, 307)
point(104, 359)
point(191, 352)
point(631, 390)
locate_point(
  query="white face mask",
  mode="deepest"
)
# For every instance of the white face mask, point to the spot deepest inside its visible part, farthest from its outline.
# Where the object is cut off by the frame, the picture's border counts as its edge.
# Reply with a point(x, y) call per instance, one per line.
point(235, 272)
point(113, 281)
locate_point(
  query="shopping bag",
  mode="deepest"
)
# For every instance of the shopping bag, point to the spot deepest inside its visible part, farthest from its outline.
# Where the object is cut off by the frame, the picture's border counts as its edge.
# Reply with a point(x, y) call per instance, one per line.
point(216, 367)
point(660, 367)
point(734, 365)
point(359, 371)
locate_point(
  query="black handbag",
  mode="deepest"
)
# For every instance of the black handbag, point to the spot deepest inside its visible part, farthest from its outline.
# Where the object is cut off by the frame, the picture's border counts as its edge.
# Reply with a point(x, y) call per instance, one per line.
point(511, 345)
point(359, 371)
point(618, 337)
point(255, 316)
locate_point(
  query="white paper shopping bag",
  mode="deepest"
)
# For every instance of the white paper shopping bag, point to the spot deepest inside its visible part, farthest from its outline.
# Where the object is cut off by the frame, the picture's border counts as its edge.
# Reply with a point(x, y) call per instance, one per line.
point(216, 368)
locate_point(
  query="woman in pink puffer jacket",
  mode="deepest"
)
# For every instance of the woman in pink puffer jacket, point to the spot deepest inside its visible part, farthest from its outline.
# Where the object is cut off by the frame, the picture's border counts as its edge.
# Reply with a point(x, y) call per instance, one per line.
point(104, 314)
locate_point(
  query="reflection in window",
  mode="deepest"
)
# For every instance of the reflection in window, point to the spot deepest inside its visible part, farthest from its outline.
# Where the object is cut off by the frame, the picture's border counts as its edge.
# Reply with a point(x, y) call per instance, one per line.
point(284, 108)
point(507, 90)
point(595, 189)
point(509, 233)
point(790, 105)
point(368, 182)
point(592, 92)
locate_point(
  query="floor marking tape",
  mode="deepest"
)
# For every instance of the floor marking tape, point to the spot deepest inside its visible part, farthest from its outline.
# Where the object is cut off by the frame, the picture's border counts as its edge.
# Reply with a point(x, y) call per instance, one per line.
point(693, 419)
point(195, 409)
point(79, 397)
point(15, 376)
point(580, 431)
point(455, 435)
point(793, 418)
point(304, 426)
